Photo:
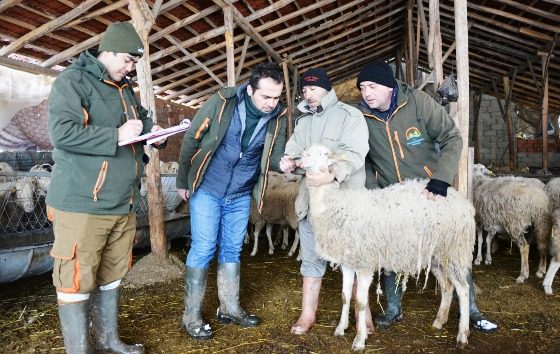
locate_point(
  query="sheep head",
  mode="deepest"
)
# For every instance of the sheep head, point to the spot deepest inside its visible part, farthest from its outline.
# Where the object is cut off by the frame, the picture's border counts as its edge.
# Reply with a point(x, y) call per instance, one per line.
point(315, 157)
point(480, 171)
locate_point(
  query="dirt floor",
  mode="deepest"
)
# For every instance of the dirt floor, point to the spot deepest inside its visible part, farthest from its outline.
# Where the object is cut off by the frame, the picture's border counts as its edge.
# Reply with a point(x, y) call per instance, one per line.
point(529, 320)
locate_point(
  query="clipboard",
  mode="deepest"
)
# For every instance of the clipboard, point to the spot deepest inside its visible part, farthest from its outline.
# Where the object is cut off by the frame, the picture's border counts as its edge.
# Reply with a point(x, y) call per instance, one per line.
point(152, 137)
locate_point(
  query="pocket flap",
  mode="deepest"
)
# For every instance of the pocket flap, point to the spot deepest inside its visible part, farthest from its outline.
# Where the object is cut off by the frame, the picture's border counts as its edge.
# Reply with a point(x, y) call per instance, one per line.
point(64, 250)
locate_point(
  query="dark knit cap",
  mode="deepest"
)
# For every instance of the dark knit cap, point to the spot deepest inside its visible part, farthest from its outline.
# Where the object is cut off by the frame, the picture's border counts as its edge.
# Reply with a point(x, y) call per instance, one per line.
point(377, 71)
point(121, 37)
point(316, 77)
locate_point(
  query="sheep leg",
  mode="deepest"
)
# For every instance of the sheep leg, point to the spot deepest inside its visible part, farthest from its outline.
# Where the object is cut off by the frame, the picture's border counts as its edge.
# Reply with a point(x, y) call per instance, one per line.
point(542, 247)
point(524, 251)
point(258, 227)
point(285, 240)
point(462, 288)
point(294, 245)
point(489, 239)
point(347, 282)
point(364, 280)
point(479, 232)
point(269, 237)
point(552, 269)
point(446, 297)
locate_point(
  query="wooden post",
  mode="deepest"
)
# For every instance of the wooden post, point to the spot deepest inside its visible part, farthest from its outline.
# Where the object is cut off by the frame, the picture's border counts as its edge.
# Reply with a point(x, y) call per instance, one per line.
point(228, 24)
point(545, 60)
point(477, 100)
point(143, 20)
point(411, 62)
point(295, 88)
point(462, 55)
point(509, 125)
point(435, 41)
point(289, 103)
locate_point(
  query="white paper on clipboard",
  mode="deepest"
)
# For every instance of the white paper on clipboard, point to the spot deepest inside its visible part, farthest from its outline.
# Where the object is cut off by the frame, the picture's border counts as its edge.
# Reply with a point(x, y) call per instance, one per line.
point(160, 134)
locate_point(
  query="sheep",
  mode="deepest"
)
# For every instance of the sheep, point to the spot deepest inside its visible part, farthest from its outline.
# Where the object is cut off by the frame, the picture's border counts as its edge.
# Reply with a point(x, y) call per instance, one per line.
point(397, 229)
point(43, 182)
point(171, 198)
point(552, 189)
point(278, 209)
point(512, 205)
point(554, 252)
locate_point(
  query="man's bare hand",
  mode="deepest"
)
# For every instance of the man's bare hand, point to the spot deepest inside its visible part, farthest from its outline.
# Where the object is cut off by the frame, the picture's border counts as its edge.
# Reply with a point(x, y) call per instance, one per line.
point(325, 177)
point(183, 194)
point(131, 129)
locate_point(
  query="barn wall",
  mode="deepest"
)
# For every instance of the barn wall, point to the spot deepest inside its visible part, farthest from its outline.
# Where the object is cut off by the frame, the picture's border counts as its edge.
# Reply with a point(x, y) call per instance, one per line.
point(170, 114)
point(493, 144)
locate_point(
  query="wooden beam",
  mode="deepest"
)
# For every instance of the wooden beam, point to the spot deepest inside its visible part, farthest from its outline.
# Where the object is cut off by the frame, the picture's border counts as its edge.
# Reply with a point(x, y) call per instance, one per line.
point(242, 59)
point(289, 103)
point(143, 20)
point(94, 14)
point(411, 45)
point(194, 59)
point(72, 51)
point(184, 22)
point(6, 4)
point(250, 30)
point(230, 61)
point(156, 8)
point(27, 67)
point(509, 125)
point(434, 46)
point(48, 27)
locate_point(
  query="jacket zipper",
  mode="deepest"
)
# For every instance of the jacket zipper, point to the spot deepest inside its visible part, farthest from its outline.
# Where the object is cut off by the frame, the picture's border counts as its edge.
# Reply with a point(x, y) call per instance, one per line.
point(100, 179)
point(399, 144)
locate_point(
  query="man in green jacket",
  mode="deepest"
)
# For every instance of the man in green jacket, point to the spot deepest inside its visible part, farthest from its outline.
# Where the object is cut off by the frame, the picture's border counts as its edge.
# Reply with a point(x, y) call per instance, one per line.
point(235, 139)
point(410, 136)
point(323, 120)
point(94, 187)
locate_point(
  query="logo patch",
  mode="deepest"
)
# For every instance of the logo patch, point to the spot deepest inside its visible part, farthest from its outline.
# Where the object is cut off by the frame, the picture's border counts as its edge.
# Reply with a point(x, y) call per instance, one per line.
point(413, 136)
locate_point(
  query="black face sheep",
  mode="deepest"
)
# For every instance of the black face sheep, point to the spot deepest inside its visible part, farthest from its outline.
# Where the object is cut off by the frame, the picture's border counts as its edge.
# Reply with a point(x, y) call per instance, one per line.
point(397, 229)
point(513, 205)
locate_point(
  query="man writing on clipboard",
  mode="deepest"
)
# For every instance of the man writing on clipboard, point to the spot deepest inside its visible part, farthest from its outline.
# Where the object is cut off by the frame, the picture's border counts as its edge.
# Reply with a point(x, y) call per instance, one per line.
point(94, 187)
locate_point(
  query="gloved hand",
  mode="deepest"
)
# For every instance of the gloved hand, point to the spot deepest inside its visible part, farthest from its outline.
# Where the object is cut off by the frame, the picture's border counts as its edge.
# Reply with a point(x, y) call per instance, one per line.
point(435, 188)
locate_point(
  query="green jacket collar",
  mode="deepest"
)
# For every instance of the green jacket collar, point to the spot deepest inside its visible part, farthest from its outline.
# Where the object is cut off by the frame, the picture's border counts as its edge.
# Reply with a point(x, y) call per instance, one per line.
point(329, 100)
point(88, 62)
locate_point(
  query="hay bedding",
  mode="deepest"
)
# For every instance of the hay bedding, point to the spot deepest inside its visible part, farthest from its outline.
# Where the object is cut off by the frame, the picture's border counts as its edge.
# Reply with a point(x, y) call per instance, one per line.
point(529, 321)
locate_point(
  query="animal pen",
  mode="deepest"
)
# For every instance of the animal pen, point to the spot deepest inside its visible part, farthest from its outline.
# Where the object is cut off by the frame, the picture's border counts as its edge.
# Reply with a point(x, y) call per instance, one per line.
point(504, 55)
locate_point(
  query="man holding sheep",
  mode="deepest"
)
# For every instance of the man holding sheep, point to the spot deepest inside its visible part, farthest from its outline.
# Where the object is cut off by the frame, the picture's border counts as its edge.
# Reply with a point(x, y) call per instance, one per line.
point(410, 136)
point(324, 120)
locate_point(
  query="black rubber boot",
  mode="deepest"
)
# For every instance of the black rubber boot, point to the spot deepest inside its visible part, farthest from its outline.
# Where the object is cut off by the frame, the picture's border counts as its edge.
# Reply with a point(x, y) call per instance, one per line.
point(228, 292)
point(105, 318)
point(74, 322)
point(195, 287)
point(393, 293)
point(477, 318)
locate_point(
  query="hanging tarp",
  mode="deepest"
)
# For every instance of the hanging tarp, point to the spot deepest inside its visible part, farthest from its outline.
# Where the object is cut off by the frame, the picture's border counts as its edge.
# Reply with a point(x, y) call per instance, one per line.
point(23, 113)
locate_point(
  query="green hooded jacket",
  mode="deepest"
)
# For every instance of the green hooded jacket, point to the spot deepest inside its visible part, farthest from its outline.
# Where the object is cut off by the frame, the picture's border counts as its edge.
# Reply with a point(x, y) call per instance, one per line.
point(208, 128)
point(92, 174)
point(404, 146)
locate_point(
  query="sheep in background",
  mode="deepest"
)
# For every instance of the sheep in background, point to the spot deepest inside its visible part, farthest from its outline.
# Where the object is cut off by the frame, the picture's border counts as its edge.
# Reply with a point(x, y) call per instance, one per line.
point(552, 189)
point(512, 205)
point(43, 182)
point(278, 209)
point(554, 252)
point(170, 198)
point(397, 229)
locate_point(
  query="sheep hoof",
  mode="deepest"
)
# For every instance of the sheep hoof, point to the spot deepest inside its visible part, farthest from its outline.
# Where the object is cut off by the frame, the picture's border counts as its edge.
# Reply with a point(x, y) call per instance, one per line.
point(548, 290)
point(290, 254)
point(339, 332)
point(253, 254)
point(539, 274)
point(477, 261)
point(521, 279)
point(271, 251)
point(488, 262)
point(461, 343)
point(359, 344)
point(437, 324)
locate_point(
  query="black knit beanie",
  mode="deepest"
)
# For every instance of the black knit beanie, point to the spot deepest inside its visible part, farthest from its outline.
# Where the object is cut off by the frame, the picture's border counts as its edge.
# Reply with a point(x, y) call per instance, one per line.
point(377, 71)
point(121, 37)
point(316, 77)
